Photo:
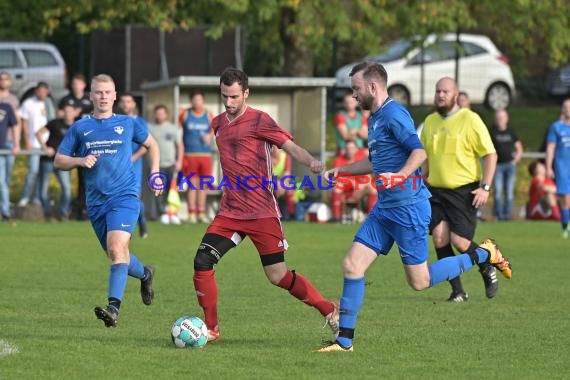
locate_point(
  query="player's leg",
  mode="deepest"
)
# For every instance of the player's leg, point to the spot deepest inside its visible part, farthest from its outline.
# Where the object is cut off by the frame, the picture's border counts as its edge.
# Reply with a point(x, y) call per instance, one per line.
point(267, 236)
point(4, 188)
point(498, 184)
point(63, 176)
point(46, 168)
point(370, 241)
point(218, 239)
point(141, 221)
point(412, 240)
point(439, 230)
point(564, 201)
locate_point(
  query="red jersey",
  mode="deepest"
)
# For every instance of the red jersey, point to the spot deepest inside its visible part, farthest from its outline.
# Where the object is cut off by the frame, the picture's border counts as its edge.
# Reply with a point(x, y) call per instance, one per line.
point(245, 155)
point(535, 193)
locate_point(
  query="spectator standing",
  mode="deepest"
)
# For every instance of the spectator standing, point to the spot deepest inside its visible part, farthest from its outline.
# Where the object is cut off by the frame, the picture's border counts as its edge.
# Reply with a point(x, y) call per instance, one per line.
point(55, 130)
point(12, 139)
point(558, 163)
point(169, 138)
point(36, 111)
point(7, 124)
point(128, 106)
point(509, 152)
point(197, 136)
point(79, 98)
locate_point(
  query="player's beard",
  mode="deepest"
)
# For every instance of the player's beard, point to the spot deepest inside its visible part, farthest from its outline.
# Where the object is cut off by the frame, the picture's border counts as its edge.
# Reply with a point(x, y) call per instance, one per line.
point(445, 108)
point(366, 102)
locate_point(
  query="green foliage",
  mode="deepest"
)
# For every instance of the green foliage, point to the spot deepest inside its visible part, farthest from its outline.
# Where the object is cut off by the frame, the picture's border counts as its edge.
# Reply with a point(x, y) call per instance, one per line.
point(53, 274)
point(533, 33)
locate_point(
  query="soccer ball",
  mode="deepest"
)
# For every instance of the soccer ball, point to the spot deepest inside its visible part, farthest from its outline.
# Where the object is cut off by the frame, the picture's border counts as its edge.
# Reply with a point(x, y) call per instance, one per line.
point(189, 332)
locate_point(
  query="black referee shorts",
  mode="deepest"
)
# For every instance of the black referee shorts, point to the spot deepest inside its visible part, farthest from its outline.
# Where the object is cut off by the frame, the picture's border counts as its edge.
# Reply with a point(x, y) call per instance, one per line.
point(455, 207)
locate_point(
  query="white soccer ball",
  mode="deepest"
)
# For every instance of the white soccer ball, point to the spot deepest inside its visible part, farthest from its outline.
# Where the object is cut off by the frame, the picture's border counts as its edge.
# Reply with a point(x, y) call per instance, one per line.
point(189, 332)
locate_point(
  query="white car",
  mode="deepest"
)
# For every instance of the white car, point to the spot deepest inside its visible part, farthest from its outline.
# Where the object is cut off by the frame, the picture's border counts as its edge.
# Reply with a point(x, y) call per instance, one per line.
point(484, 72)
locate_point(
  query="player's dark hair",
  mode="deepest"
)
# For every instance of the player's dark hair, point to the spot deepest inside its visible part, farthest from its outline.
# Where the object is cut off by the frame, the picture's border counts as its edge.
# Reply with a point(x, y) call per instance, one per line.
point(129, 94)
point(79, 76)
point(532, 168)
point(463, 93)
point(42, 84)
point(232, 75)
point(196, 91)
point(371, 70)
point(161, 106)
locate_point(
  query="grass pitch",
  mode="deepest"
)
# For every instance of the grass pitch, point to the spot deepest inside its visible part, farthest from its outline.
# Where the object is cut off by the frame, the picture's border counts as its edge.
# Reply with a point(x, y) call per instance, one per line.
point(52, 275)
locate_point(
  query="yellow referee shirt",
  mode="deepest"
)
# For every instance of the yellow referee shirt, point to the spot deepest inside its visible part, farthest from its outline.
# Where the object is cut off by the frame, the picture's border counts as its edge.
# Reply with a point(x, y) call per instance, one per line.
point(454, 146)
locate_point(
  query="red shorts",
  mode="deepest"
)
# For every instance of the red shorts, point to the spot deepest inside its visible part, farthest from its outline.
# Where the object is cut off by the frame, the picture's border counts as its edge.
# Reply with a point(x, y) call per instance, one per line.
point(201, 165)
point(265, 233)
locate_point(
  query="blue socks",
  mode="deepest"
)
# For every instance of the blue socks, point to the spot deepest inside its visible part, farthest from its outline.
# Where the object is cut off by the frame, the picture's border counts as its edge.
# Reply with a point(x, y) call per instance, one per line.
point(450, 267)
point(117, 283)
point(136, 269)
point(564, 217)
point(350, 303)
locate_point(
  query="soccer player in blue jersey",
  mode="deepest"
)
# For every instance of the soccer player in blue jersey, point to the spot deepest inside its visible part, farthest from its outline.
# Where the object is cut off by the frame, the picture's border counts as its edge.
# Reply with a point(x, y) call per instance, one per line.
point(558, 163)
point(402, 212)
point(101, 145)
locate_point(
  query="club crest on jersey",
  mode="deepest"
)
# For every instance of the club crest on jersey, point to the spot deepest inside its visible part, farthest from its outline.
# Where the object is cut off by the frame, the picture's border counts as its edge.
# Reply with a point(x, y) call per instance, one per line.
point(118, 129)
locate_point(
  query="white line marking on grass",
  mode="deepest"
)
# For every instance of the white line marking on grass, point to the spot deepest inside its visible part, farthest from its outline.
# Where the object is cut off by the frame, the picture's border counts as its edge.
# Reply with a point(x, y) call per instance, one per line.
point(7, 348)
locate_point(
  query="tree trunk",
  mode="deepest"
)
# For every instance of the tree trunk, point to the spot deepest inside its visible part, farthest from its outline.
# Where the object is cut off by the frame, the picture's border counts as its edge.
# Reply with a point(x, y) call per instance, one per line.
point(299, 60)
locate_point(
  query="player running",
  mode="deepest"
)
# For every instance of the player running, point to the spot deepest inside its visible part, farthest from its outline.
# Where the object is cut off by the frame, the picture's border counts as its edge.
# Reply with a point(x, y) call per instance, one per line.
point(244, 137)
point(402, 212)
point(101, 145)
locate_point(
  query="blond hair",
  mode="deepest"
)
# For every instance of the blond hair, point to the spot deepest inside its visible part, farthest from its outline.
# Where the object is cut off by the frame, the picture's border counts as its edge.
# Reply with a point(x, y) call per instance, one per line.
point(102, 78)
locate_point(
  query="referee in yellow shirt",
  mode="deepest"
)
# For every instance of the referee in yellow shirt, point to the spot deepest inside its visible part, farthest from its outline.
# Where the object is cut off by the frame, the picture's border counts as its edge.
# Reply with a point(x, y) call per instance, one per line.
point(456, 139)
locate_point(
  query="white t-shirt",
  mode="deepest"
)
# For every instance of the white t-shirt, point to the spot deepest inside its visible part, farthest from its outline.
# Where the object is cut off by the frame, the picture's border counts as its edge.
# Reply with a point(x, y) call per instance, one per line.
point(34, 111)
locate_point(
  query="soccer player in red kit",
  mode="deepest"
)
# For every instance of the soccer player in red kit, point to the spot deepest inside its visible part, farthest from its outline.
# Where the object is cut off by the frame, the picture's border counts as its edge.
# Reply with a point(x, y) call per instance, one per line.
point(244, 137)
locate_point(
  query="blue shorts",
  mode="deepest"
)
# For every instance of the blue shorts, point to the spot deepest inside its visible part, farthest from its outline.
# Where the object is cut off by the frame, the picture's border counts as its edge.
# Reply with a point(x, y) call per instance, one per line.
point(119, 213)
point(562, 179)
point(405, 225)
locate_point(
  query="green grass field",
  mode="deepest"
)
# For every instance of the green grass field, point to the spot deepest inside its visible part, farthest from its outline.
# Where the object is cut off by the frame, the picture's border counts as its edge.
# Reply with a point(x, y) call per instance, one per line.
point(53, 274)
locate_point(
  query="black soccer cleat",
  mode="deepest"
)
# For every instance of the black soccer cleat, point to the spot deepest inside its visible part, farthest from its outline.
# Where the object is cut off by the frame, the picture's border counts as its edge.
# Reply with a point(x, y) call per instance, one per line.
point(147, 293)
point(458, 297)
point(489, 275)
point(109, 315)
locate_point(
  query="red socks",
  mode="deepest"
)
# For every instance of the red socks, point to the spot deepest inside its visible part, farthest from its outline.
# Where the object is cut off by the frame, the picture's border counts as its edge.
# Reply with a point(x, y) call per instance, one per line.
point(336, 202)
point(207, 293)
point(303, 290)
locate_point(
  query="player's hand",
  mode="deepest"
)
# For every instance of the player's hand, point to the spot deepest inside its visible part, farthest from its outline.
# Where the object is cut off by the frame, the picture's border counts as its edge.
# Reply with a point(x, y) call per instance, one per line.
point(89, 161)
point(391, 180)
point(50, 151)
point(317, 166)
point(549, 173)
point(480, 197)
point(330, 176)
point(16, 150)
point(177, 167)
point(158, 193)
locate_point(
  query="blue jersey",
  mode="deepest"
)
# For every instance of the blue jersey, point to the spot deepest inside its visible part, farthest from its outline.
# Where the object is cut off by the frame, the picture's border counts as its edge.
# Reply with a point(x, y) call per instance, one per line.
point(559, 134)
point(193, 129)
point(388, 128)
point(140, 122)
point(111, 140)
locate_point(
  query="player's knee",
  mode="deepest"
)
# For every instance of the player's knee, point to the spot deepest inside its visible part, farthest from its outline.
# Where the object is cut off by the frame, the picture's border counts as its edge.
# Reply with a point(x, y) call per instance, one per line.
point(440, 240)
point(351, 268)
point(206, 257)
point(418, 284)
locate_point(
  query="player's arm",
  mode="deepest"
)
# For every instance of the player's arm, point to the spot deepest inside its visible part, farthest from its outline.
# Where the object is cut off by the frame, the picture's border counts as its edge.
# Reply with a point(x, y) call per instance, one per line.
point(301, 155)
point(151, 145)
point(40, 137)
point(141, 151)
point(416, 157)
point(518, 152)
point(64, 162)
point(342, 128)
point(489, 165)
point(550, 148)
point(26, 130)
